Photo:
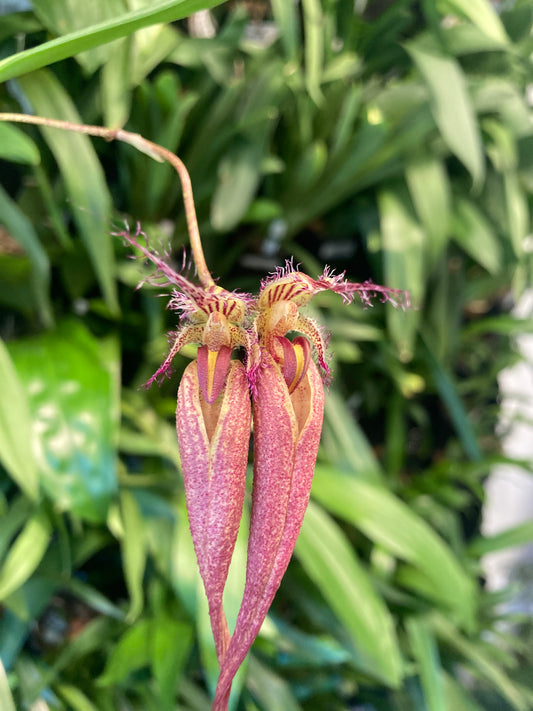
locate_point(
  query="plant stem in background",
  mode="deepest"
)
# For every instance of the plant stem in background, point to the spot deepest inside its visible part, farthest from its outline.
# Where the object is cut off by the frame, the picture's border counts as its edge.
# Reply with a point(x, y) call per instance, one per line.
point(151, 149)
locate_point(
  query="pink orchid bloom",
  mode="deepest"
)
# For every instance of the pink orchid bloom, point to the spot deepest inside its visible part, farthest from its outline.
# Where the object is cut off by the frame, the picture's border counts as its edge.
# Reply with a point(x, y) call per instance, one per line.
point(213, 426)
point(288, 408)
point(213, 420)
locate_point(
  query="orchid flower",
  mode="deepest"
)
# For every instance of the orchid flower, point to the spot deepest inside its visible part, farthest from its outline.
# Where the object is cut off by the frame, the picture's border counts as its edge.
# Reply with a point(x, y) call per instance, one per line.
point(213, 427)
point(213, 415)
point(288, 408)
point(212, 421)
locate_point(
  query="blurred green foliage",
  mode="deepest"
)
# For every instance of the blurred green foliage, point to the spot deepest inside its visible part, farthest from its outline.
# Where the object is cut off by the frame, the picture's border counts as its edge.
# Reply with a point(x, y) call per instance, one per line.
point(393, 140)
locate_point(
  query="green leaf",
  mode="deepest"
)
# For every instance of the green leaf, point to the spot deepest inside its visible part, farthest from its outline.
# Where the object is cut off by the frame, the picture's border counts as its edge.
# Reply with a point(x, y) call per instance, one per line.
point(451, 104)
point(76, 699)
point(403, 256)
point(150, 47)
point(473, 232)
point(345, 442)
point(426, 653)
point(457, 697)
point(286, 18)
point(25, 554)
point(309, 167)
point(238, 177)
point(171, 644)
point(22, 230)
point(96, 35)
point(448, 392)
point(463, 38)
point(517, 210)
point(6, 700)
point(314, 47)
point(430, 192)
point(516, 536)
point(478, 658)
point(84, 178)
point(16, 146)
point(482, 14)
point(13, 519)
point(94, 599)
point(388, 521)
point(115, 85)
point(328, 559)
point(132, 652)
point(134, 552)
point(15, 429)
point(272, 692)
point(62, 17)
point(71, 381)
point(18, 23)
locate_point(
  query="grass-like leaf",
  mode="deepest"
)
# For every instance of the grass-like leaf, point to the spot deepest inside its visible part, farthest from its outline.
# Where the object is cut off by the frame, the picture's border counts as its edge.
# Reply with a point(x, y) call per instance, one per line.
point(96, 35)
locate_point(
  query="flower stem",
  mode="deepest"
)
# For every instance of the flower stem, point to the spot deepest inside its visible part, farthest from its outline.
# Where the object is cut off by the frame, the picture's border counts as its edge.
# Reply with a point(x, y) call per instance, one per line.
point(154, 151)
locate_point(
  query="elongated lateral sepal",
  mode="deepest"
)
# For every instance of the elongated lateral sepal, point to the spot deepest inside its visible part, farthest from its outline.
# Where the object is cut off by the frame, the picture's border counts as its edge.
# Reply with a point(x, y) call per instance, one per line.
point(286, 437)
point(213, 442)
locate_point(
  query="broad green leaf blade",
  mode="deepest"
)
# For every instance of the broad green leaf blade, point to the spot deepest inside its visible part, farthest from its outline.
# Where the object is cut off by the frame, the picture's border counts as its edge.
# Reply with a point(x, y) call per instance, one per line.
point(344, 128)
point(16, 146)
point(6, 700)
point(465, 39)
point(482, 14)
point(25, 554)
point(133, 544)
point(473, 232)
point(403, 255)
point(345, 442)
point(115, 85)
point(96, 35)
point(20, 509)
point(314, 22)
point(430, 192)
point(388, 521)
point(150, 47)
point(23, 232)
point(71, 381)
point(451, 104)
point(457, 697)
point(171, 642)
point(62, 17)
point(309, 167)
point(328, 559)
point(132, 652)
point(238, 177)
point(286, 18)
point(83, 176)
point(15, 429)
point(426, 654)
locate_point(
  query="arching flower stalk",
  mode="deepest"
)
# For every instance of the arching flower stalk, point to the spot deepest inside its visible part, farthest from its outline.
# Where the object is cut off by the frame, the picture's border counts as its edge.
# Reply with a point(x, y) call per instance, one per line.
point(214, 412)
